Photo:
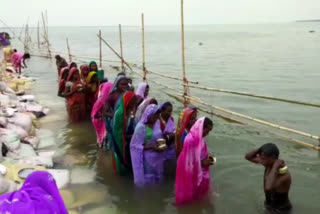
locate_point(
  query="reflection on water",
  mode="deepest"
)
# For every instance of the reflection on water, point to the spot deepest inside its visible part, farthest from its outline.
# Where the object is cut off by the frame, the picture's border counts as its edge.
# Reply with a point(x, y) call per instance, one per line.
point(237, 184)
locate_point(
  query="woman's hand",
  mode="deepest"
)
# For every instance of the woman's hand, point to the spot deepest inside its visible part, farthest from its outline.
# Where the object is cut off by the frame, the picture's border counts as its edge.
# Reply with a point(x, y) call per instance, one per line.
point(207, 162)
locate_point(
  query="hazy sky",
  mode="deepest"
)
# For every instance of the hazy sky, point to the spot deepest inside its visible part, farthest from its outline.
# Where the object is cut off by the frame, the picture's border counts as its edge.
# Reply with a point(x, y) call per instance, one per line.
point(157, 12)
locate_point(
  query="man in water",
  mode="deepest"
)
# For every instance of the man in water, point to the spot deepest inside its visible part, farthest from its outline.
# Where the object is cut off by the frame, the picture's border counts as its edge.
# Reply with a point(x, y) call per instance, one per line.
point(277, 179)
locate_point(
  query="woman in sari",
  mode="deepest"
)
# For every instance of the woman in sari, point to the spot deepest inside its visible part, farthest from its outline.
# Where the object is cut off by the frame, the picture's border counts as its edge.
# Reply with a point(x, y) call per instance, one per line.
point(186, 120)
point(64, 73)
point(61, 63)
point(92, 90)
point(120, 145)
point(142, 107)
point(146, 155)
point(84, 72)
point(18, 60)
point(143, 90)
point(75, 96)
point(97, 111)
point(168, 128)
point(94, 67)
point(193, 173)
point(39, 194)
point(72, 65)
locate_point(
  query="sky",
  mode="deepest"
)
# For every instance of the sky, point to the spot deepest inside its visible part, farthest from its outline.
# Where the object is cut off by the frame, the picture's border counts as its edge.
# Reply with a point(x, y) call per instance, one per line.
point(157, 12)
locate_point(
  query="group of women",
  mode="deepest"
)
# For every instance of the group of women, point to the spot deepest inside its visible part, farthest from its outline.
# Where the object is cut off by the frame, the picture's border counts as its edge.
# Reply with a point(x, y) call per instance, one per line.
point(141, 134)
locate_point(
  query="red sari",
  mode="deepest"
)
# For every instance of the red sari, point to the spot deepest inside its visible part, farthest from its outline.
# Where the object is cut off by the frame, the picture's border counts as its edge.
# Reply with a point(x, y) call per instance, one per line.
point(76, 106)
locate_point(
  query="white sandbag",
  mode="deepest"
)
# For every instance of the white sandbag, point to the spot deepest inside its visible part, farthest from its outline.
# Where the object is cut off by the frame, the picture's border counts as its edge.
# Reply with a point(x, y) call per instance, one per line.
point(10, 138)
point(4, 99)
point(82, 176)
point(3, 122)
point(62, 177)
point(5, 89)
point(46, 153)
point(28, 97)
point(46, 110)
point(7, 186)
point(37, 161)
point(18, 130)
point(33, 141)
point(24, 151)
point(34, 107)
point(22, 120)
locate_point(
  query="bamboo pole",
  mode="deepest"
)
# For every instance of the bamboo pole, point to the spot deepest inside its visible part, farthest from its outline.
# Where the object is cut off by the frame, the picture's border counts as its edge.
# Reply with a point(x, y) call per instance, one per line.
point(255, 119)
point(38, 35)
point(100, 50)
point(170, 77)
point(185, 88)
point(69, 51)
point(46, 34)
point(143, 50)
point(254, 95)
point(115, 52)
point(121, 49)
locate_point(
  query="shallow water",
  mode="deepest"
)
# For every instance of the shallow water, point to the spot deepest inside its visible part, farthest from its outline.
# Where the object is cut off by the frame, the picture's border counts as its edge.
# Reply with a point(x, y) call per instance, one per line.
point(278, 60)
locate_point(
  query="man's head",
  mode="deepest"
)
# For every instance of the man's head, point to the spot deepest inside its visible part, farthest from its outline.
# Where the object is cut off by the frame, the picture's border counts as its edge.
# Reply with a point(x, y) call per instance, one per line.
point(268, 153)
point(26, 56)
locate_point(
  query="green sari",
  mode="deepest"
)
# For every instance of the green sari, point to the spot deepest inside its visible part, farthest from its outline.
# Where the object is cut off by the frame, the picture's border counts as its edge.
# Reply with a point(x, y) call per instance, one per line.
point(120, 143)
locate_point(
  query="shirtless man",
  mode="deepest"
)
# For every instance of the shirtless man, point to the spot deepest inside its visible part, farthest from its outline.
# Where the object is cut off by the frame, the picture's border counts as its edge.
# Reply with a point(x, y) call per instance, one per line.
point(276, 183)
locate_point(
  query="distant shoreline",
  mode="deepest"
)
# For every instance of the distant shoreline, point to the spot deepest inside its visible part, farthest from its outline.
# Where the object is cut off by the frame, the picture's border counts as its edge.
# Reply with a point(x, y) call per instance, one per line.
point(315, 20)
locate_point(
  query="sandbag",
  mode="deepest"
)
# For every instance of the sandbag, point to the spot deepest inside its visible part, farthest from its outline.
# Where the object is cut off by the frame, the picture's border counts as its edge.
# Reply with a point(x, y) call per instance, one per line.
point(25, 151)
point(5, 99)
point(33, 141)
point(3, 122)
point(5, 89)
point(22, 120)
point(18, 130)
point(10, 138)
point(28, 97)
point(34, 107)
point(37, 161)
point(7, 186)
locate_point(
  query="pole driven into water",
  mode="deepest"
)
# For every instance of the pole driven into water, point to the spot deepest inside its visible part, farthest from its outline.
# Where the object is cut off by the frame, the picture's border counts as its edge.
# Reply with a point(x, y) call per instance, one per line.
point(121, 49)
point(46, 37)
point(184, 78)
point(100, 50)
point(69, 52)
point(143, 50)
point(38, 35)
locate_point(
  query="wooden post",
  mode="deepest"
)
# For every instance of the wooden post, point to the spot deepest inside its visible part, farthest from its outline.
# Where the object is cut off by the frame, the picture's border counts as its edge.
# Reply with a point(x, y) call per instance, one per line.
point(46, 34)
point(185, 81)
point(38, 35)
point(143, 51)
point(121, 49)
point(69, 52)
point(100, 50)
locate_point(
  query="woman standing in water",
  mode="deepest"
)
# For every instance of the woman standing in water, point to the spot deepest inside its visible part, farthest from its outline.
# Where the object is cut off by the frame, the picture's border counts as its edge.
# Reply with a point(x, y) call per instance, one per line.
point(94, 67)
point(120, 145)
point(64, 73)
point(193, 173)
point(143, 90)
point(92, 90)
point(84, 72)
point(146, 154)
point(75, 96)
point(142, 107)
point(186, 120)
point(97, 111)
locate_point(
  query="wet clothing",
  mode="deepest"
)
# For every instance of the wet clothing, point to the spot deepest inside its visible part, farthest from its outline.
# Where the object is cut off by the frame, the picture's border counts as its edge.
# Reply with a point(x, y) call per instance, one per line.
point(278, 202)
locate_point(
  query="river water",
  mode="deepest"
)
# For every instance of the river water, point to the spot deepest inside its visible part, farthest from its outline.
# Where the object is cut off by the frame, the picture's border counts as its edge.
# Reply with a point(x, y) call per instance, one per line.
point(278, 60)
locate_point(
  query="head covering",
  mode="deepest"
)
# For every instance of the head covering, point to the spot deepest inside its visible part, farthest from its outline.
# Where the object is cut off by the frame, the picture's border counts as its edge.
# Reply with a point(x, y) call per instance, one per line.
point(39, 194)
point(182, 125)
point(141, 108)
point(142, 89)
point(149, 112)
point(89, 79)
point(72, 64)
point(192, 179)
point(98, 123)
point(84, 71)
point(116, 83)
point(91, 63)
point(72, 72)
point(119, 130)
point(163, 104)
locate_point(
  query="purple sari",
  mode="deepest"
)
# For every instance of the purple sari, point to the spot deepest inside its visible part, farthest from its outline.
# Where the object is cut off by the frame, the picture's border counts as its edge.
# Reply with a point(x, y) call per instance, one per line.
point(147, 164)
point(39, 194)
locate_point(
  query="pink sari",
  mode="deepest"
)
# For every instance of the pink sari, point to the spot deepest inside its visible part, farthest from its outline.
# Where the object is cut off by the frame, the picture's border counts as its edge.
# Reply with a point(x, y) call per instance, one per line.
point(16, 59)
point(192, 179)
point(98, 123)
